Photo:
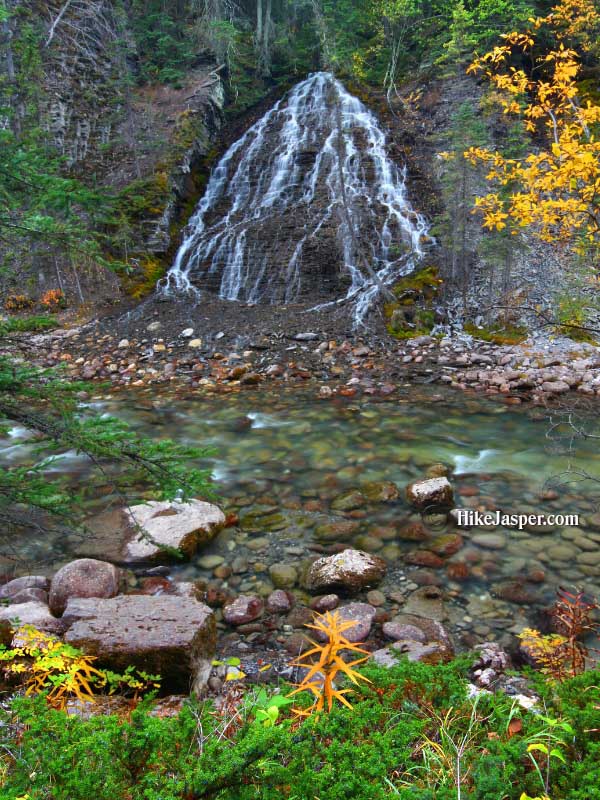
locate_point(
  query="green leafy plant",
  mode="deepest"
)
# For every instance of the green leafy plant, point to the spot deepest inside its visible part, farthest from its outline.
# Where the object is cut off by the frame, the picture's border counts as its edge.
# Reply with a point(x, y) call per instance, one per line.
point(548, 744)
point(266, 707)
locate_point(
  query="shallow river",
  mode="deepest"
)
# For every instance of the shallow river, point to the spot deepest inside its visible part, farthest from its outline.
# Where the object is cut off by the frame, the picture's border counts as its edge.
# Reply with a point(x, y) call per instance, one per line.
point(283, 456)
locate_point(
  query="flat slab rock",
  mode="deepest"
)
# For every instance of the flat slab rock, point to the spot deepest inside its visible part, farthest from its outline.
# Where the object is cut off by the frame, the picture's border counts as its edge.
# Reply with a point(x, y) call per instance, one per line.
point(172, 636)
point(164, 525)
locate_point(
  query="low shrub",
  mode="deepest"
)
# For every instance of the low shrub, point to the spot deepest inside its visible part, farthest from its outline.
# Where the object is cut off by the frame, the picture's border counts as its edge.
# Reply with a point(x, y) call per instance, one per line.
point(407, 729)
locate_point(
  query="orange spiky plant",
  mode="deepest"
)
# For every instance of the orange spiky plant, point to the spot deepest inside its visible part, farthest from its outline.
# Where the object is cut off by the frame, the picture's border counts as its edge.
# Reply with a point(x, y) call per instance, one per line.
point(321, 675)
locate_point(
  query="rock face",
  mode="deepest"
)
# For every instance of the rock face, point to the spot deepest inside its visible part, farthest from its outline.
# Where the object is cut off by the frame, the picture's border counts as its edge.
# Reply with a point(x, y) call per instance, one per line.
point(348, 571)
point(170, 525)
point(430, 493)
point(174, 637)
point(85, 577)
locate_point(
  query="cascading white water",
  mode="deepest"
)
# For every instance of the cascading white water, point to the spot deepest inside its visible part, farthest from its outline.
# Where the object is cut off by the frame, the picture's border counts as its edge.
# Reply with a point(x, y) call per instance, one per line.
point(305, 207)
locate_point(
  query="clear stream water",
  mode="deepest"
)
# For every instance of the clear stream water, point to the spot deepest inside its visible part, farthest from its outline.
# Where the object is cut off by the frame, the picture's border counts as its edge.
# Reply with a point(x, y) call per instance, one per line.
point(282, 456)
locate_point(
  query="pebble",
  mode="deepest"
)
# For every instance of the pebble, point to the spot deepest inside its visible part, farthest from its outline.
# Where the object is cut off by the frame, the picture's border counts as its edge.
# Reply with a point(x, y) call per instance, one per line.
point(491, 541)
point(210, 562)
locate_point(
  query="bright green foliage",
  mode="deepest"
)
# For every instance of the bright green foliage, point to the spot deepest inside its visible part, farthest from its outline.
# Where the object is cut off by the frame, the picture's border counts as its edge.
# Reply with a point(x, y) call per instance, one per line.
point(23, 324)
point(39, 205)
point(374, 752)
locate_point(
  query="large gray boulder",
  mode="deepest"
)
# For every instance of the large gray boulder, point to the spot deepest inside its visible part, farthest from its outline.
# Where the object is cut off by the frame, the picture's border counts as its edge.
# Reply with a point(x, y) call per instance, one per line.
point(347, 572)
point(174, 637)
point(85, 577)
point(158, 527)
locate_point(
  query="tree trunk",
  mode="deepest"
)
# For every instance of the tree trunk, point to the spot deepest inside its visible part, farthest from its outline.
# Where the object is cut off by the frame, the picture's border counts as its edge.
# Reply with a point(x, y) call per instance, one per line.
point(259, 22)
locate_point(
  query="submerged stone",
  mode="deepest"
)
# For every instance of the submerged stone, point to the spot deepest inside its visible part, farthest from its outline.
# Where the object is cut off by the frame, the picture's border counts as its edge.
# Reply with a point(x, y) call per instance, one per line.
point(430, 493)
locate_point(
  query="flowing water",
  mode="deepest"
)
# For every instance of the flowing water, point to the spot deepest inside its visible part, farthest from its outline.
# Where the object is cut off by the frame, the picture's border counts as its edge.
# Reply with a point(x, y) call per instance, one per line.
point(283, 456)
point(306, 206)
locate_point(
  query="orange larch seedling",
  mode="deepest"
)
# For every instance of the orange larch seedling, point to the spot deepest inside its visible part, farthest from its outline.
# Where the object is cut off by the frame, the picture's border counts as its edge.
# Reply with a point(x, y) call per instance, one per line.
point(329, 664)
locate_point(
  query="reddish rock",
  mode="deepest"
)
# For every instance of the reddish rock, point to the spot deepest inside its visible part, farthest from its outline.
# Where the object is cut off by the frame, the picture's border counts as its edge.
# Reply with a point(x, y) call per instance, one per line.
point(299, 617)
point(29, 595)
point(424, 558)
point(457, 571)
point(244, 609)
point(85, 577)
point(468, 491)
point(413, 532)
point(155, 585)
point(430, 493)
point(514, 592)
point(398, 631)
point(25, 582)
point(361, 614)
point(280, 602)
point(174, 637)
point(326, 602)
point(447, 544)
point(296, 644)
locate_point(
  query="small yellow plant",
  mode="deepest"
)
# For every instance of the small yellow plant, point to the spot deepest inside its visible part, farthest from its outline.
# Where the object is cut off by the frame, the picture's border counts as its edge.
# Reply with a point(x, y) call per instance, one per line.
point(564, 656)
point(321, 675)
point(549, 651)
point(48, 665)
point(526, 797)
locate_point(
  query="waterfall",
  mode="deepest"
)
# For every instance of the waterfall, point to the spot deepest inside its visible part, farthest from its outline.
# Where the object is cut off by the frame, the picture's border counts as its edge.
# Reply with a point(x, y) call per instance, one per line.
point(272, 226)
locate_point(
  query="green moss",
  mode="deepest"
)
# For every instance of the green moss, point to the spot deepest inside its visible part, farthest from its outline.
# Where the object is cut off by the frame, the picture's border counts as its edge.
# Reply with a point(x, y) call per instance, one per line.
point(576, 334)
point(425, 281)
point(412, 314)
point(507, 334)
point(26, 324)
point(152, 269)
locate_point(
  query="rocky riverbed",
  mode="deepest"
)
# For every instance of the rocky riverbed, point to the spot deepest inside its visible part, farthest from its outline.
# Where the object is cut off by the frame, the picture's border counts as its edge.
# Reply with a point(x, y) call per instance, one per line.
point(226, 345)
point(319, 431)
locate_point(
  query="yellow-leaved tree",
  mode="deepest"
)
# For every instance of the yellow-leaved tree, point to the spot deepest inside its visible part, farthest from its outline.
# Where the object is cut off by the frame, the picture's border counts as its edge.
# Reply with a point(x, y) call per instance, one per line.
point(555, 189)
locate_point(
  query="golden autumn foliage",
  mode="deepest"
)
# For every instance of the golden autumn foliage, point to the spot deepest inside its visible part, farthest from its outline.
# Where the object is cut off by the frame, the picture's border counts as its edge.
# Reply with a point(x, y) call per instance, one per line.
point(42, 663)
point(555, 191)
point(564, 654)
point(322, 672)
